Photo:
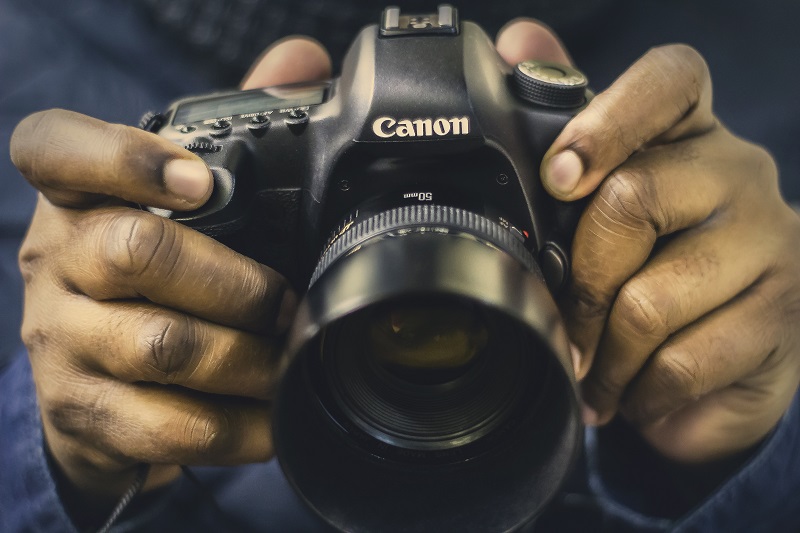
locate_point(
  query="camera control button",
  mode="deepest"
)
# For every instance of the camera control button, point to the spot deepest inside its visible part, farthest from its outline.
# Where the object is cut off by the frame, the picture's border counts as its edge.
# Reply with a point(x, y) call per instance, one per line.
point(554, 266)
point(200, 147)
point(151, 121)
point(259, 124)
point(549, 84)
point(296, 117)
point(220, 128)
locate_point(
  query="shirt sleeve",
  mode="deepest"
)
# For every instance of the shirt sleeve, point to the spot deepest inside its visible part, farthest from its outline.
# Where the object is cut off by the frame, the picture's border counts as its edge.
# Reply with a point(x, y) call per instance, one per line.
point(28, 497)
point(759, 491)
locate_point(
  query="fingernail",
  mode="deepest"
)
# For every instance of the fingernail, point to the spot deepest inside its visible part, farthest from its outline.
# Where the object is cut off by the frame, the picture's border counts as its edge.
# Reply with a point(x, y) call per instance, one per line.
point(563, 171)
point(187, 179)
point(576, 359)
point(589, 415)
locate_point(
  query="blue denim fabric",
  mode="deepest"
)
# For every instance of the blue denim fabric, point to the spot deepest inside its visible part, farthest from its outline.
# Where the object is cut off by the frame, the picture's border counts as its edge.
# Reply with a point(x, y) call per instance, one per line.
point(28, 499)
point(763, 495)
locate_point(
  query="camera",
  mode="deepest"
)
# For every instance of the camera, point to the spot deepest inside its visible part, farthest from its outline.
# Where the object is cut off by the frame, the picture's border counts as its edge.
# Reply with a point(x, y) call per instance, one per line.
point(426, 383)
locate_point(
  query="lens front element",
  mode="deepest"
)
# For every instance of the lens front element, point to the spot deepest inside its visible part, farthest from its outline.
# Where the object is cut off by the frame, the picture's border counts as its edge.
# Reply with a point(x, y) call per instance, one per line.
point(427, 377)
point(425, 341)
point(429, 373)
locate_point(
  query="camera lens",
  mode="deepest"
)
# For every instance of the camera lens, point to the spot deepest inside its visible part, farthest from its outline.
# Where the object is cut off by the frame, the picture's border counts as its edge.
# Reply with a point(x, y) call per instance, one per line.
point(425, 373)
point(427, 376)
point(424, 342)
point(418, 338)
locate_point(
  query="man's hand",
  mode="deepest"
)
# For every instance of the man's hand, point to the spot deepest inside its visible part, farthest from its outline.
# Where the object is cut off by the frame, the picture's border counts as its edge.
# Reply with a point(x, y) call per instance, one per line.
point(685, 294)
point(149, 342)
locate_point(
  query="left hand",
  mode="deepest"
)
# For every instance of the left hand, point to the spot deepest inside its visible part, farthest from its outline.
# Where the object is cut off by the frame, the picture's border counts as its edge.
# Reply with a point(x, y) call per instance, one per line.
point(685, 293)
point(148, 341)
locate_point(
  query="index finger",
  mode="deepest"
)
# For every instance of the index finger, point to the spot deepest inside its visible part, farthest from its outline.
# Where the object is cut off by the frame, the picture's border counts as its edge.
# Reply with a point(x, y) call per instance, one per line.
point(78, 161)
point(665, 95)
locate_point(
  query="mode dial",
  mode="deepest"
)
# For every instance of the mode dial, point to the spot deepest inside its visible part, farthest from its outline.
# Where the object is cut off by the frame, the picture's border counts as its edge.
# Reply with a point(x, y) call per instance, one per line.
point(549, 84)
point(151, 121)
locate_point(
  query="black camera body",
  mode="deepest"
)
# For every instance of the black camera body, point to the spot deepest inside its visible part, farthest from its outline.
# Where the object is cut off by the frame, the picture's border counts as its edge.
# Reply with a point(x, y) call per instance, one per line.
point(427, 114)
point(407, 190)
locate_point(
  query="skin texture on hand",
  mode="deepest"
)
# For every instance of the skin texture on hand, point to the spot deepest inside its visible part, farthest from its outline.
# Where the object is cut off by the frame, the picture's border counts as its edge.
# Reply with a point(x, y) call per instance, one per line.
point(149, 342)
point(685, 290)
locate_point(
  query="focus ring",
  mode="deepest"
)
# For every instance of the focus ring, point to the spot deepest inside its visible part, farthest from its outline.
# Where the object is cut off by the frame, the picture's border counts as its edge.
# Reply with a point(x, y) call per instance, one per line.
point(425, 217)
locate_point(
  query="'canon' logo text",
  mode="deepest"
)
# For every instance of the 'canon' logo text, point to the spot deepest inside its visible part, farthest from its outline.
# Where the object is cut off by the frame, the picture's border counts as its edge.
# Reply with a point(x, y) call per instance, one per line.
point(386, 127)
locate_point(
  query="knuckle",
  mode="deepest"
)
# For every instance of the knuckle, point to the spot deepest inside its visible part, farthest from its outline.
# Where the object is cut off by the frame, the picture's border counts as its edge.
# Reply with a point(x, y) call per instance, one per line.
point(765, 165)
point(29, 135)
point(674, 379)
point(683, 67)
point(66, 416)
point(168, 345)
point(626, 197)
point(76, 415)
point(29, 261)
point(683, 58)
point(683, 52)
point(210, 433)
point(135, 245)
point(689, 55)
point(679, 374)
point(118, 141)
point(35, 336)
point(642, 309)
point(605, 388)
point(602, 120)
point(585, 303)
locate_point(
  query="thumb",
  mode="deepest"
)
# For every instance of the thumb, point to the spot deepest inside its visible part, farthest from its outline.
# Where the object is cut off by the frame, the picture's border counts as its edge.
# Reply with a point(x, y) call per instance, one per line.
point(526, 38)
point(290, 60)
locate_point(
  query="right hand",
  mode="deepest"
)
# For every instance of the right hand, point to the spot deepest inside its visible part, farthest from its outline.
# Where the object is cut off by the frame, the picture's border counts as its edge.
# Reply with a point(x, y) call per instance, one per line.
point(149, 342)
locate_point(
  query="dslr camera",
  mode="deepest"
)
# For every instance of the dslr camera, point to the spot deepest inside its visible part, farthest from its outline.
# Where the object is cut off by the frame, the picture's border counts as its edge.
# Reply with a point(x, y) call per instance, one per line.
point(426, 383)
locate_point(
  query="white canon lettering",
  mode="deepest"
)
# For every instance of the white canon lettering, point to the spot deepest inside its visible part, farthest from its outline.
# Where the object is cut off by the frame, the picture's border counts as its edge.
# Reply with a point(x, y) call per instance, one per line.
point(385, 127)
point(404, 128)
point(441, 126)
point(460, 125)
point(377, 127)
point(423, 127)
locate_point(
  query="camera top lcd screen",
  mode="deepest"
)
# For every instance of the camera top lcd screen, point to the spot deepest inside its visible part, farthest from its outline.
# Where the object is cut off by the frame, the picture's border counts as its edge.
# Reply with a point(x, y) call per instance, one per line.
point(255, 101)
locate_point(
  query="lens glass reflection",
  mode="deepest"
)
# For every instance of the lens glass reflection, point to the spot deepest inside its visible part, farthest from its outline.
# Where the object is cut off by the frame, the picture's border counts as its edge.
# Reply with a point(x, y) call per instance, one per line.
point(425, 342)
point(429, 372)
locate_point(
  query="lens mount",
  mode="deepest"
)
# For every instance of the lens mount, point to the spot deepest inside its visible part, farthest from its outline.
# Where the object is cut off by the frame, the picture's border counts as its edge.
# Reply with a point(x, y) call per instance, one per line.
point(473, 415)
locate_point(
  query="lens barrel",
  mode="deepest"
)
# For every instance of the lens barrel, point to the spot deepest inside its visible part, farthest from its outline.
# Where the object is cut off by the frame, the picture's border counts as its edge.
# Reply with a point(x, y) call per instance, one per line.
point(427, 383)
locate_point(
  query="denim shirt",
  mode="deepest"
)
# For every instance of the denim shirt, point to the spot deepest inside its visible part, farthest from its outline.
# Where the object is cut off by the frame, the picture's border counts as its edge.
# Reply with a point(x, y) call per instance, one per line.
point(762, 495)
point(103, 58)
